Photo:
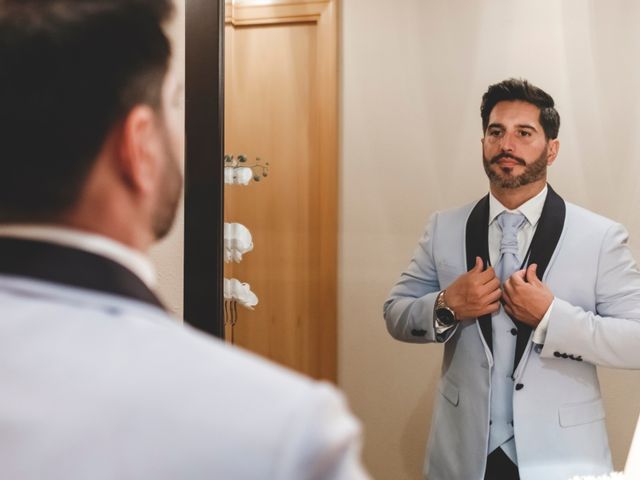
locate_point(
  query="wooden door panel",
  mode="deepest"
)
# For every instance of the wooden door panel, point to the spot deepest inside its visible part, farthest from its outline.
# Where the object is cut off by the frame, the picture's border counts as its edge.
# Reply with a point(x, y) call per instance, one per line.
point(275, 110)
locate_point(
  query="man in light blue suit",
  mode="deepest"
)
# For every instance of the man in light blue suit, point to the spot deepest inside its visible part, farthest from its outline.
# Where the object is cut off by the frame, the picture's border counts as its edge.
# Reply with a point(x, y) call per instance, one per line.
point(529, 294)
point(97, 380)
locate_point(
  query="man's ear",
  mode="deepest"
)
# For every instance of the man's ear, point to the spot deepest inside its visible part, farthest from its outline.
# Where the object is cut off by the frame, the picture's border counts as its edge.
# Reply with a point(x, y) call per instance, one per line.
point(138, 149)
point(552, 152)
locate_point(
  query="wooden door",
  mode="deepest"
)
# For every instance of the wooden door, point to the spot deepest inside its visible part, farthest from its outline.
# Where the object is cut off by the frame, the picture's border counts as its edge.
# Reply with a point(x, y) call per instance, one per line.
point(281, 106)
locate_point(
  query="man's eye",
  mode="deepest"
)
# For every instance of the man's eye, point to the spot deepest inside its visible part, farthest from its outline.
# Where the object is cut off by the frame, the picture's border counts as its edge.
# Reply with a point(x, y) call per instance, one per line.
point(494, 133)
point(525, 133)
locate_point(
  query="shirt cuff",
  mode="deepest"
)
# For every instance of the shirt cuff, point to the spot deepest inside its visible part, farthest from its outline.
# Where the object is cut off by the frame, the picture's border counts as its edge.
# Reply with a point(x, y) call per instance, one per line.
point(442, 331)
point(440, 327)
point(540, 333)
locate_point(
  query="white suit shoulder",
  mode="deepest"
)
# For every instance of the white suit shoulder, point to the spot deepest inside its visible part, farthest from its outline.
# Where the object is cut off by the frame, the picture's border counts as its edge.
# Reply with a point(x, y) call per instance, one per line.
point(589, 220)
point(97, 379)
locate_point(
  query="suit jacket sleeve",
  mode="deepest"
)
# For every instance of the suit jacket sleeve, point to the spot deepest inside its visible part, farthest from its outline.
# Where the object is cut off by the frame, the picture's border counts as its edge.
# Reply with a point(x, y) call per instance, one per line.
point(323, 441)
point(409, 310)
point(610, 336)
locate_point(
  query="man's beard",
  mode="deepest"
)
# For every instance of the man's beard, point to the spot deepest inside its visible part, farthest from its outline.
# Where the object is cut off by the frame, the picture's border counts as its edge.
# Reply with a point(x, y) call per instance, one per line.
point(169, 196)
point(534, 171)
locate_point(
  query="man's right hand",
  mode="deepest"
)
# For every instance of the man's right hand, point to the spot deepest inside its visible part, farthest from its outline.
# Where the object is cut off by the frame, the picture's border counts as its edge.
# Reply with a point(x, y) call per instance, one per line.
point(474, 293)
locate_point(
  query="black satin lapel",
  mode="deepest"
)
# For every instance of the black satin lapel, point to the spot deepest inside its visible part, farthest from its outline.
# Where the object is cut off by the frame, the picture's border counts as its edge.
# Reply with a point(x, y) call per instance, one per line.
point(543, 245)
point(477, 245)
point(71, 267)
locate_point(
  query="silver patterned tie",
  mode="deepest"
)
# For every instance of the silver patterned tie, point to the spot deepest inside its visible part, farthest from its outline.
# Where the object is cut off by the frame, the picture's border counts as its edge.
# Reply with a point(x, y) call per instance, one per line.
point(504, 343)
point(510, 224)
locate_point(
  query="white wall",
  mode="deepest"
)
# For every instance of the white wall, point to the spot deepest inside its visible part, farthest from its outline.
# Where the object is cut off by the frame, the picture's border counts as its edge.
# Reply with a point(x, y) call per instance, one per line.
point(168, 255)
point(413, 73)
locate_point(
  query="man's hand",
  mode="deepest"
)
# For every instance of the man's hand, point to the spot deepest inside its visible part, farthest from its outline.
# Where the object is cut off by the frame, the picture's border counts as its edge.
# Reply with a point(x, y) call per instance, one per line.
point(474, 293)
point(525, 297)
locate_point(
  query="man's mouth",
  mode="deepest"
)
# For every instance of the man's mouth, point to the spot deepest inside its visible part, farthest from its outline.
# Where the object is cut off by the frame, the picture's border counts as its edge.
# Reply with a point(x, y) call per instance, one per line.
point(508, 161)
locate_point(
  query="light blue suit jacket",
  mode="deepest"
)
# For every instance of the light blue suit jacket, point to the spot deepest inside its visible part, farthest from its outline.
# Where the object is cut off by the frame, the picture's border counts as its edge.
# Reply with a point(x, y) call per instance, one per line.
point(100, 383)
point(558, 411)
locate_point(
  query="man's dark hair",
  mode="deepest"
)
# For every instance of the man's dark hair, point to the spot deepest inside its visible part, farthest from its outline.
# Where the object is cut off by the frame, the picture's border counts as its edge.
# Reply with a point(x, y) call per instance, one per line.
point(70, 70)
point(515, 89)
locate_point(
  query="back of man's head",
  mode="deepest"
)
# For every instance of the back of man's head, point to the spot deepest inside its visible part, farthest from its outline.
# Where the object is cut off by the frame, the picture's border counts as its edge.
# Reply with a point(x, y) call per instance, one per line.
point(70, 70)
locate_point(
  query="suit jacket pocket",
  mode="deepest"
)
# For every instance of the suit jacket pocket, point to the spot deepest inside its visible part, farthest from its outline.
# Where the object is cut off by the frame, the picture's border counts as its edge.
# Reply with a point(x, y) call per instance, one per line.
point(449, 391)
point(572, 414)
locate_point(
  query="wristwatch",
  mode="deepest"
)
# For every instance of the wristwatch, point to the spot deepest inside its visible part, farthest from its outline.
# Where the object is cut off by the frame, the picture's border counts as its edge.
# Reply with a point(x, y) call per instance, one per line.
point(444, 314)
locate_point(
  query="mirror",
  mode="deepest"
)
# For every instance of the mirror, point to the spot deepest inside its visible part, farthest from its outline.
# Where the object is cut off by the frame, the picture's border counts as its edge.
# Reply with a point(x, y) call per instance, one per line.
point(411, 74)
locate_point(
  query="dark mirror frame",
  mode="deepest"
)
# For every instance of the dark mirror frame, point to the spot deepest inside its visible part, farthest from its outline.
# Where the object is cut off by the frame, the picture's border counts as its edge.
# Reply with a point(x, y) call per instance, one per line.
point(204, 152)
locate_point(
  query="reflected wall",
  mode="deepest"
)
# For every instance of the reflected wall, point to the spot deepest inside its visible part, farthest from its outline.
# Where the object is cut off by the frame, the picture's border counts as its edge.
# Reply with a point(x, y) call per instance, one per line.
point(412, 75)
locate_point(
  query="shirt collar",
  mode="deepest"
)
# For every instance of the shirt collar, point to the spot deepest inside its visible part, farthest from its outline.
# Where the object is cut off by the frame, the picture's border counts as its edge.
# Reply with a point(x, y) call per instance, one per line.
point(133, 260)
point(531, 209)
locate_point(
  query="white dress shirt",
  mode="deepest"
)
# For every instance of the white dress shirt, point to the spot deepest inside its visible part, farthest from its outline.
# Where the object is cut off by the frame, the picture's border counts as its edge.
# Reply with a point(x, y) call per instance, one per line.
point(135, 261)
point(532, 210)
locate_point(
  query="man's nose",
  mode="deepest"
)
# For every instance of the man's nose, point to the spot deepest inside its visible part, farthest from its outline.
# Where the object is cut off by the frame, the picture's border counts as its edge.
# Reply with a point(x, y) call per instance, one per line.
point(507, 142)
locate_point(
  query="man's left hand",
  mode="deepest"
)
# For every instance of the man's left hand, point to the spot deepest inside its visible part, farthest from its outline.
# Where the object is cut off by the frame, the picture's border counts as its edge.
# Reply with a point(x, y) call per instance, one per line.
point(525, 297)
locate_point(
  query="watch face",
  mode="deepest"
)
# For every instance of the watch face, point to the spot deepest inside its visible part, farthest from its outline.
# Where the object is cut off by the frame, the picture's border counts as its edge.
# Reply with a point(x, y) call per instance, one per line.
point(445, 316)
